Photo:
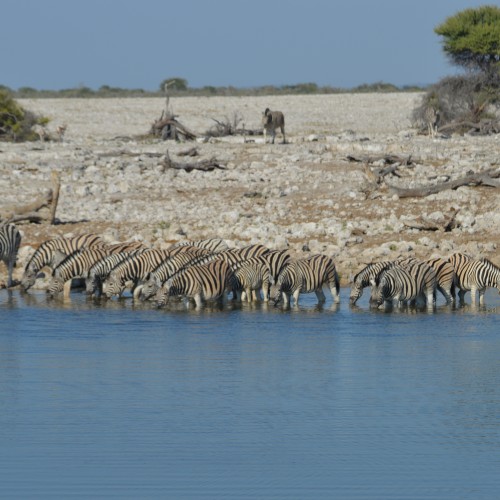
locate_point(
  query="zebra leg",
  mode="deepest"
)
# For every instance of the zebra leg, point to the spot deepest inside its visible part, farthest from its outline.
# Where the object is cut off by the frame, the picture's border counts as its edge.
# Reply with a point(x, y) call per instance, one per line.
point(248, 294)
point(296, 297)
point(473, 291)
point(320, 295)
point(11, 268)
point(461, 295)
point(66, 289)
point(265, 292)
point(481, 296)
point(265, 135)
point(283, 132)
point(198, 301)
point(273, 135)
point(446, 294)
point(335, 295)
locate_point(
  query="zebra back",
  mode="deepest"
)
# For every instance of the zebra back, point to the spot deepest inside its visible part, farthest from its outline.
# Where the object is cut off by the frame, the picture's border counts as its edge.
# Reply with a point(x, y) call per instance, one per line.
point(215, 245)
point(479, 274)
point(10, 241)
point(125, 247)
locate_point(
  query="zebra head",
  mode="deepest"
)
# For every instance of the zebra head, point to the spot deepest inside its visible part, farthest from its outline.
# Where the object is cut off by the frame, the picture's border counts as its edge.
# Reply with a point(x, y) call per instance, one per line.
point(275, 292)
point(356, 292)
point(56, 286)
point(93, 284)
point(150, 287)
point(28, 279)
point(162, 295)
point(112, 286)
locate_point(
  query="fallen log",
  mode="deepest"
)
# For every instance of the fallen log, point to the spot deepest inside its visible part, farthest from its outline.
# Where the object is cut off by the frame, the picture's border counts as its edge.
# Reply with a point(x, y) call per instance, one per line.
point(204, 165)
point(488, 178)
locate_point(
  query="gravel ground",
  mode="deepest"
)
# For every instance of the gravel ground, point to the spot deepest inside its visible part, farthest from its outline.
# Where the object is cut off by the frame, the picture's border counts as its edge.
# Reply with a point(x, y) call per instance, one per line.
point(304, 195)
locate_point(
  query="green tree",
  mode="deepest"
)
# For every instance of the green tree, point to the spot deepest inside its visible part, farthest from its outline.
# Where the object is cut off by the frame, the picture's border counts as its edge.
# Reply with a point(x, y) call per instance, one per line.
point(471, 38)
point(176, 84)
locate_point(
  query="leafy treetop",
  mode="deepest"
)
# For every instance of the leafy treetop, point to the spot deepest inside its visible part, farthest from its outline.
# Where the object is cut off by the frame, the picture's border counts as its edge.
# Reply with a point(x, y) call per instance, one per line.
point(472, 38)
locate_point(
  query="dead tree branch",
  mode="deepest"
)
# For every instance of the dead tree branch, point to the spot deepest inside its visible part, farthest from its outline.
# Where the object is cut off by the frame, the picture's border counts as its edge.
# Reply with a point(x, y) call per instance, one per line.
point(42, 209)
point(204, 165)
point(488, 178)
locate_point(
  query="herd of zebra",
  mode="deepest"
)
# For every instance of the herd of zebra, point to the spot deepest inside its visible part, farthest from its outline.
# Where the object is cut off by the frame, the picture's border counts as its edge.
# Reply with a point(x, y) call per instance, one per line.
point(208, 270)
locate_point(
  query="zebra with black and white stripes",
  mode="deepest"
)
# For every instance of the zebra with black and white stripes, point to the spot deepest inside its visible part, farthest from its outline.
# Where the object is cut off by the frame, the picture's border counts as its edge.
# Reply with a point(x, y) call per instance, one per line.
point(76, 265)
point(133, 269)
point(445, 277)
point(10, 241)
point(169, 267)
point(207, 282)
point(51, 252)
point(365, 277)
point(475, 276)
point(394, 283)
point(101, 270)
point(306, 276)
point(425, 277)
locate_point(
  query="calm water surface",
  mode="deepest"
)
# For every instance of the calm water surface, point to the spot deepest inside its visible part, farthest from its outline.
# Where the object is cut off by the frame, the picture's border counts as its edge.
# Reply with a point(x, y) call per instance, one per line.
point(112, 400)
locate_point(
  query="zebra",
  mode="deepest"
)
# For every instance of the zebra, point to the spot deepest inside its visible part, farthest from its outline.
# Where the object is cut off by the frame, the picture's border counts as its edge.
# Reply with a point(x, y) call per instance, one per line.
point(169, 267)
point(425, 277)
point(475, 275)
point(271, 120)
point(306, 276)
point(206, 282)
point(76, 265)
point(445, 277)
point(251, 276)
point(10, 241)
point(215, 245)
point(394, 283)
point(365, 277)
point(133, 269)
point(51, 252)
point(101, 269)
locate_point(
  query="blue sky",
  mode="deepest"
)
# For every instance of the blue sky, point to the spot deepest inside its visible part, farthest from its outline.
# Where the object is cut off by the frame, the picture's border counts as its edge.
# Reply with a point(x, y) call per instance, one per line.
point(55, 44)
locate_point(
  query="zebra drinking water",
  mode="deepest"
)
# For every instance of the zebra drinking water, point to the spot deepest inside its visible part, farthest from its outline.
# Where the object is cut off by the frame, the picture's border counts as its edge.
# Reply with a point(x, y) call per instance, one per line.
point(206, 282)
point(306, 276)
point(10, 240)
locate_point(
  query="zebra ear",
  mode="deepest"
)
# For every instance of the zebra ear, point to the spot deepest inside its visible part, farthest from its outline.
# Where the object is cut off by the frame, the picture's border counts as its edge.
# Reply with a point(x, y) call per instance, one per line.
point(148, 277)
point(168, 284)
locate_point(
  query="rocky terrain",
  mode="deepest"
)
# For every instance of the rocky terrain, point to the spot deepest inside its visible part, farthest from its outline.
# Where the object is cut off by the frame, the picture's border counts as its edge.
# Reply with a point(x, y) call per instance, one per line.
point(307, 195)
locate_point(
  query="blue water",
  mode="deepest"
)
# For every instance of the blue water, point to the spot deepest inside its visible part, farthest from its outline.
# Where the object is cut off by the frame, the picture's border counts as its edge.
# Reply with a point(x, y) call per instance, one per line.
point(250, 402)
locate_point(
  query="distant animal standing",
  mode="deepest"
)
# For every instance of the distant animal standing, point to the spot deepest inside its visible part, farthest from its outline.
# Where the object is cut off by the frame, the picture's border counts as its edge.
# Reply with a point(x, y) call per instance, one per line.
point(10, 239)
point(432, 120)
point(271, 120)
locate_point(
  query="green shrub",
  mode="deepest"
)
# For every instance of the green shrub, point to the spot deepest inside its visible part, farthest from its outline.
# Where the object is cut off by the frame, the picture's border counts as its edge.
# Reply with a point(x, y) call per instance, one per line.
point(15, 122)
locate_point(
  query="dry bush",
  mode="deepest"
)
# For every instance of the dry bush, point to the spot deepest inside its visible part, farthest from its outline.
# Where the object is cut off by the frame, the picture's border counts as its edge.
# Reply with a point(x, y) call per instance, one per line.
point(464, 102)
